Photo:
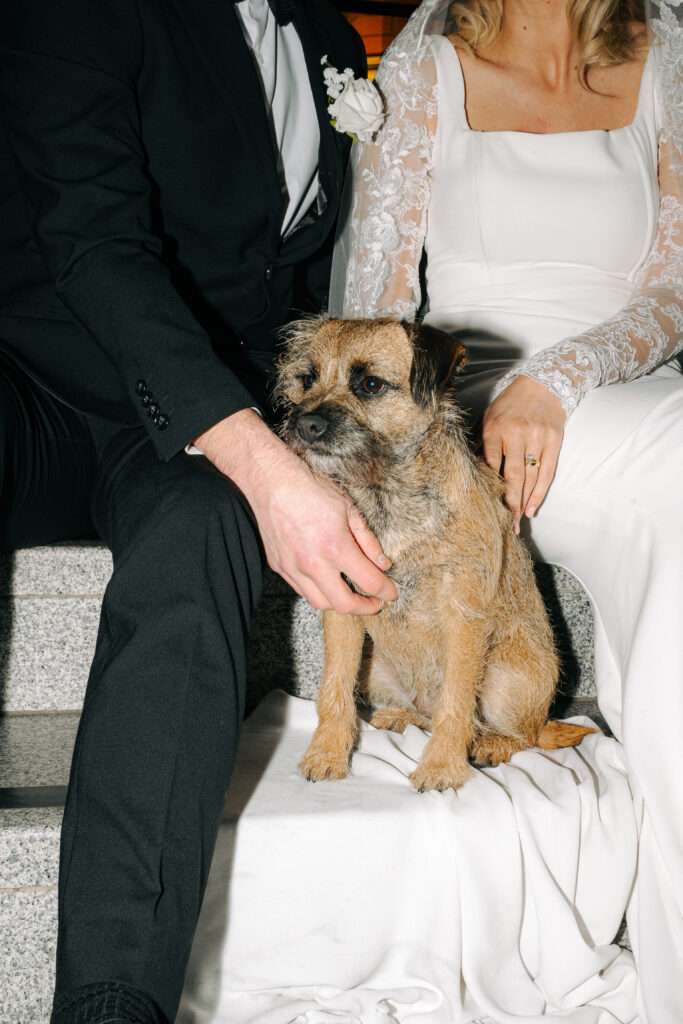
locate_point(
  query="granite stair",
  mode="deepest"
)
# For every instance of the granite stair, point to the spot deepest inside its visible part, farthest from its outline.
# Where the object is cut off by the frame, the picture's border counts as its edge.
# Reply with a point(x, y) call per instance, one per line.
point(49, 607)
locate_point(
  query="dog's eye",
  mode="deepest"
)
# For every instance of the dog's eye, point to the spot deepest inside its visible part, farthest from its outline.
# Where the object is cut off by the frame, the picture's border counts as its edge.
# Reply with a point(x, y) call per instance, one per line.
point(308, 380)
point(373, 386)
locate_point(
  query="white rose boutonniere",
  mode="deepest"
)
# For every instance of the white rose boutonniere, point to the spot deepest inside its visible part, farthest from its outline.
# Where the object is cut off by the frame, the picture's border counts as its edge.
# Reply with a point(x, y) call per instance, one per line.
point(355, 105)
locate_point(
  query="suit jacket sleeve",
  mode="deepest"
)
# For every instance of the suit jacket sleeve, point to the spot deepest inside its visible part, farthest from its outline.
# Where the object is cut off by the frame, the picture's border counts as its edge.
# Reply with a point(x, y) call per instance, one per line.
point(68, 89)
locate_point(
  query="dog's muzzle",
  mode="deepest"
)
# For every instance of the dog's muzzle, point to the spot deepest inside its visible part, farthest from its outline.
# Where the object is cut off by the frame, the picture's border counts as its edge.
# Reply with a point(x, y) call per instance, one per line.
point(311, 426)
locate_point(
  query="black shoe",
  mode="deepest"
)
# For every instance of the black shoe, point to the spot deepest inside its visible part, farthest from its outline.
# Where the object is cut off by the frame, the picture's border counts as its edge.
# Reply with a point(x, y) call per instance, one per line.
point(106, 1002)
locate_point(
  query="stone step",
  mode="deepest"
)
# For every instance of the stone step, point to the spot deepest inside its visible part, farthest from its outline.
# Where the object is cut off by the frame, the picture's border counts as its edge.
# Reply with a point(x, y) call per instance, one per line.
point(50, 603)
point(35, 753)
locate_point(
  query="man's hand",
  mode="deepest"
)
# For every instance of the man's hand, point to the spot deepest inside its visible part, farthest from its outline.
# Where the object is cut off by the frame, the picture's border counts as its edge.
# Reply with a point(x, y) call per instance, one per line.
point(525, 420)
point(311, 531)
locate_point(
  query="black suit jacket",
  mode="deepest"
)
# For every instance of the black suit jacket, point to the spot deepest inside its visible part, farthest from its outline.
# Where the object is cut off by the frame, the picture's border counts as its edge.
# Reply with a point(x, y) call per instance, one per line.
point(140, 215)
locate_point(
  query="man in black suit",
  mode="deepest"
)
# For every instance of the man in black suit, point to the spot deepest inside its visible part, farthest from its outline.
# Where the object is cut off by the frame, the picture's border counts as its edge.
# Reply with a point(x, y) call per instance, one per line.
point(150, 249)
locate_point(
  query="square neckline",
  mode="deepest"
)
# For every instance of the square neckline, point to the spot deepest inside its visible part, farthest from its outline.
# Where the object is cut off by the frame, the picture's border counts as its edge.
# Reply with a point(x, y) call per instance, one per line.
point(540, 135)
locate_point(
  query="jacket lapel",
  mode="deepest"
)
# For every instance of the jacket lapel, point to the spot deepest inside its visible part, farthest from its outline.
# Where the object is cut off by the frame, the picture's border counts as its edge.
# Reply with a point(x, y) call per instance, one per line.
point(330, 153)
point(217, 34)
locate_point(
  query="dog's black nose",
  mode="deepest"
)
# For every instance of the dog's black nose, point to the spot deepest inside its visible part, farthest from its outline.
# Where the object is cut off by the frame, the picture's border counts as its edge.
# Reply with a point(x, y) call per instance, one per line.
point(311, 426)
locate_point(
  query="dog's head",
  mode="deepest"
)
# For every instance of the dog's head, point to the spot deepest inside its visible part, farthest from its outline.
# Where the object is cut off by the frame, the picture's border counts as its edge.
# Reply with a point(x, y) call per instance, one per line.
point(361, 394)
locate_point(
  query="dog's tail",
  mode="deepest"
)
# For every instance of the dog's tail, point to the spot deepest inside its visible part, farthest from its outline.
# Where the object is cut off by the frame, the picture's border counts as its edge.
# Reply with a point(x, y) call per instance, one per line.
point(561, 734)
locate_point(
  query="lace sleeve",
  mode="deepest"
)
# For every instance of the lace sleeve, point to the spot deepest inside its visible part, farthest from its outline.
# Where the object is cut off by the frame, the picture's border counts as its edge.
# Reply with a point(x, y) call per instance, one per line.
point(645, 333)
point(377, 256)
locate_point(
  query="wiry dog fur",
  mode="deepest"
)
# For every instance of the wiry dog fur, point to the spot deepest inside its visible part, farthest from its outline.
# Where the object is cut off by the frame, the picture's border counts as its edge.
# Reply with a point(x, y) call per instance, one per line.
point(467, 648)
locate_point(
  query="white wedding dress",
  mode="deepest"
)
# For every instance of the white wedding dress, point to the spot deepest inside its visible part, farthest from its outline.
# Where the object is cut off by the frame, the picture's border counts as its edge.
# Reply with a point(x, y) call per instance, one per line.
point(360, 902)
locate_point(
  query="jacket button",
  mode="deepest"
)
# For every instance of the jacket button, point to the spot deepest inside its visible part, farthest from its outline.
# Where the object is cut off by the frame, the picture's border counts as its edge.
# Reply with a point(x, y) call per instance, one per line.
point(141, 387)
point(152, 410)
point(161, 421)
point(146, 399)
point(269, 273)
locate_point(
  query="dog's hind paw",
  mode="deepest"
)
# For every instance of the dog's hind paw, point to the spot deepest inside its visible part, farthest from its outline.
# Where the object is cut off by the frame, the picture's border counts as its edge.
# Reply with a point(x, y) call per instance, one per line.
point(440, 776)
point(398, 719)
point(318, 766)
point(491, 748)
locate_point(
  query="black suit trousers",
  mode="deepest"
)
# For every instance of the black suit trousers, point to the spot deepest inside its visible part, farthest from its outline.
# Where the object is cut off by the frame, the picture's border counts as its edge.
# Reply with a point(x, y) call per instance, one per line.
point(166, 693)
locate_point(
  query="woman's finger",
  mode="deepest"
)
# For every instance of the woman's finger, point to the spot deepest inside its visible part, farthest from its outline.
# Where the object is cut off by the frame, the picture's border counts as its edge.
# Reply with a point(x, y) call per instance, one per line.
point(531, 472)
point(546, 473)
point(513, 475)
point(492, 449)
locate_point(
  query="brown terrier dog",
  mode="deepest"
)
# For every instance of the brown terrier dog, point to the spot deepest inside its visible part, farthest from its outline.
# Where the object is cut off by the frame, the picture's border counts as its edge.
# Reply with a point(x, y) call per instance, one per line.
point(466, 649)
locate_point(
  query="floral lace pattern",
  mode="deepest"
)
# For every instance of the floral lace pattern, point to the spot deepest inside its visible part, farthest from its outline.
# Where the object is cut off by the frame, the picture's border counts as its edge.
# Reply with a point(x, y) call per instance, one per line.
point(391, 194)
point(664, 21)
point(381, 247)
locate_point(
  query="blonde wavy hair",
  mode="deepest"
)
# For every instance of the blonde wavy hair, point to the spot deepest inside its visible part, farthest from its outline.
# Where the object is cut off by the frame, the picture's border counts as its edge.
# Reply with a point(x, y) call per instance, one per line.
point(603, 29)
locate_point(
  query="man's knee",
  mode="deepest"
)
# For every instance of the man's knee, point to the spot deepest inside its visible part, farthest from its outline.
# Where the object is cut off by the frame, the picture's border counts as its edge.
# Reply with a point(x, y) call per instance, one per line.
point(198, 498)
point(181, 523)
point(208, 496)
point(212, 507)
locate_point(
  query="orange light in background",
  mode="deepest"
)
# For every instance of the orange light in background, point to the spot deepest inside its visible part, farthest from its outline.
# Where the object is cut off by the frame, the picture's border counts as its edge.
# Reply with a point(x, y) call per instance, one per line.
point(377, 31)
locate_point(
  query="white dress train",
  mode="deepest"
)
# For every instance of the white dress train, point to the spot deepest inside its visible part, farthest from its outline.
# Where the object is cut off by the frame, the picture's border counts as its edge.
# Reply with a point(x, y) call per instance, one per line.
point(361, 901)
point(364, 902)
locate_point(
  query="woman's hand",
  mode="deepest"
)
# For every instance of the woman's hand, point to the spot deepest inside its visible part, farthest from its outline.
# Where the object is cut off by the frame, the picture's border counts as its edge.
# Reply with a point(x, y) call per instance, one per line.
point(524, 427)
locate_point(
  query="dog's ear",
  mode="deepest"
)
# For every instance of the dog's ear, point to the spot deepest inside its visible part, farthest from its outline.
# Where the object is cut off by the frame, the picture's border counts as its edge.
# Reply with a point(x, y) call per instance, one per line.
point(437, 356)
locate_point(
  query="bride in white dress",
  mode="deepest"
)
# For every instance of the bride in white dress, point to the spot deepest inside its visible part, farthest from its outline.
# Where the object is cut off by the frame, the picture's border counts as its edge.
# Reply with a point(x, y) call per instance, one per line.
point(555, 241)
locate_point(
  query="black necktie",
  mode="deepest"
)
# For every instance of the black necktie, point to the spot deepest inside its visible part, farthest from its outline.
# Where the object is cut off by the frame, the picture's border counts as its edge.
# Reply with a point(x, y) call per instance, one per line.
point(282, 9)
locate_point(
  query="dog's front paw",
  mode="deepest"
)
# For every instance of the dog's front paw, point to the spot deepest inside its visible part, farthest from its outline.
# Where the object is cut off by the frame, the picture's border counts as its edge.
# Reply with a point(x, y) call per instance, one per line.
point(317, 765)
point(440, 776)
